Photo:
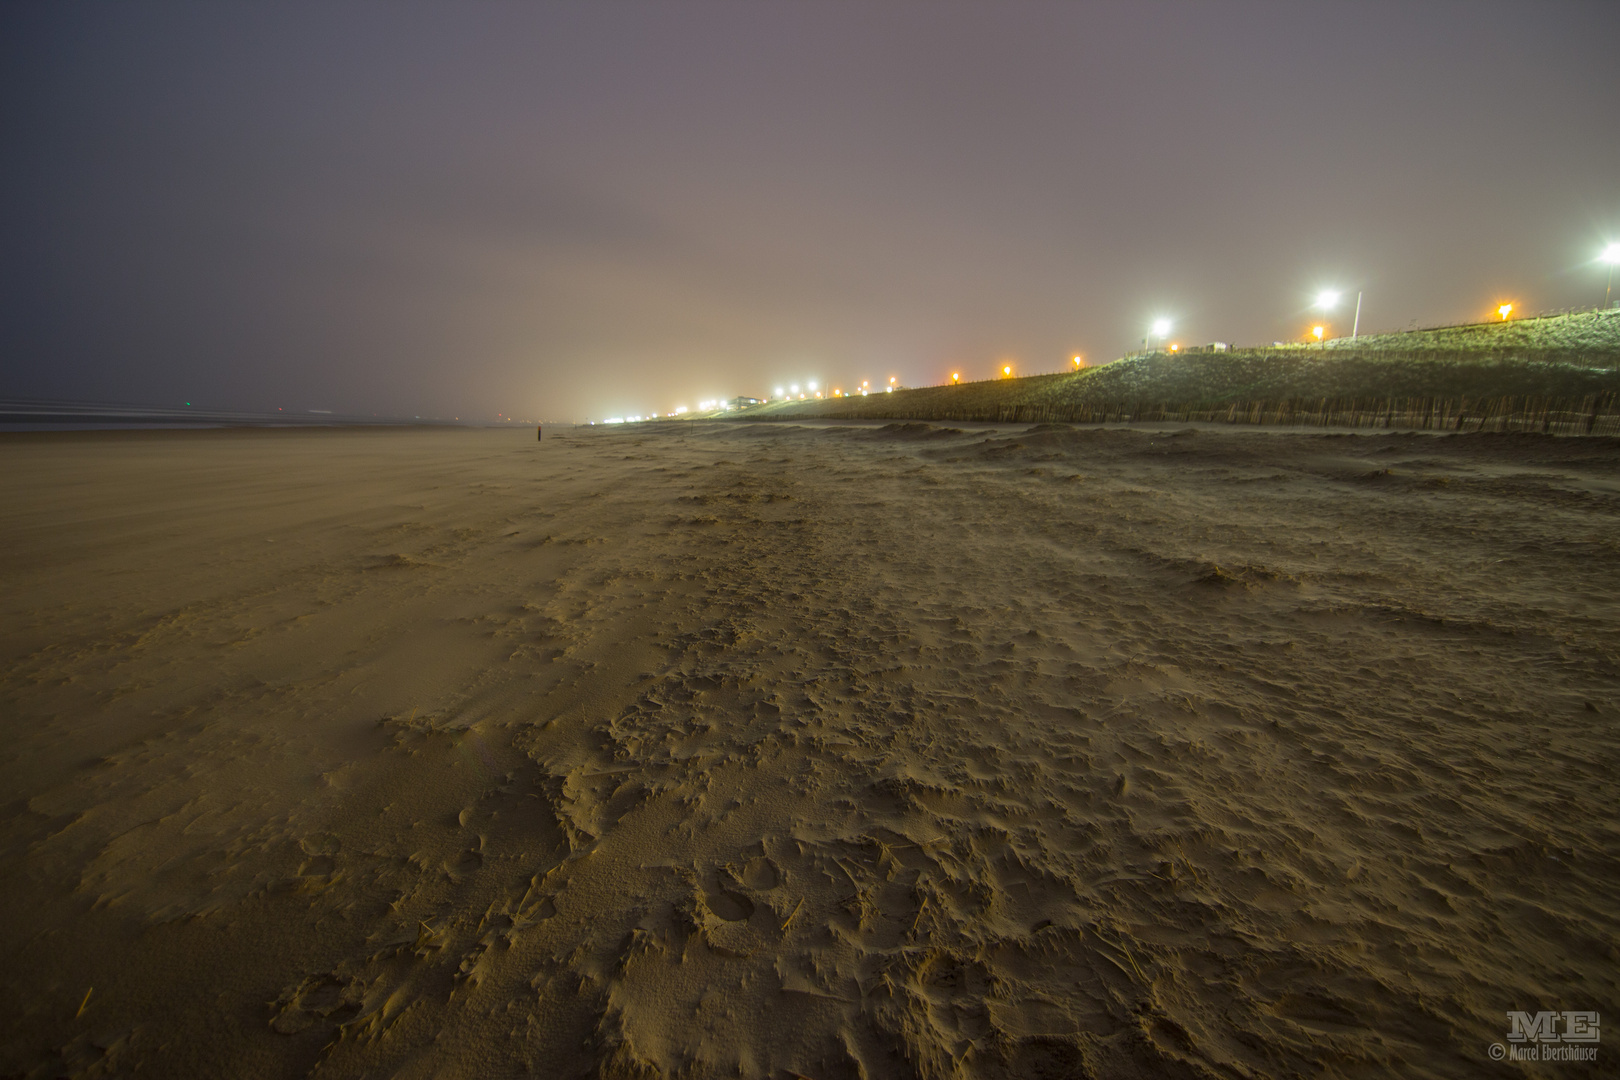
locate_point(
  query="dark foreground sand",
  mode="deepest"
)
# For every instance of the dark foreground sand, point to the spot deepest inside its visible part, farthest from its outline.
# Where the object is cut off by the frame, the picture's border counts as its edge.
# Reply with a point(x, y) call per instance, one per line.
point(770, 751)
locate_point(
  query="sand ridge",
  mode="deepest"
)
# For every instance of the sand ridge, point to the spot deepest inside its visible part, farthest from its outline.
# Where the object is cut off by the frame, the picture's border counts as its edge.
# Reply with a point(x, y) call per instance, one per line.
point(770, 750)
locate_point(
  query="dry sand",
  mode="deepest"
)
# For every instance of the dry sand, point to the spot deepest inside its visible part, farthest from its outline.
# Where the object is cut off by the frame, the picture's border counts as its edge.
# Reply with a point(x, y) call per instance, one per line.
point(771, 751)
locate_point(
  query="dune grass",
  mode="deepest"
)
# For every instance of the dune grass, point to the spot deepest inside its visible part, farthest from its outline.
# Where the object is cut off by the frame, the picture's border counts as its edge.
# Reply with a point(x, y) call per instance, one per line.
point(1564, 358)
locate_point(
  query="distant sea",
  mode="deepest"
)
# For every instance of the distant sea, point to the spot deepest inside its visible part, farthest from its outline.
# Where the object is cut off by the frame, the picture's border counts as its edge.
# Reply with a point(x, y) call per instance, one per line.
point(22, 414)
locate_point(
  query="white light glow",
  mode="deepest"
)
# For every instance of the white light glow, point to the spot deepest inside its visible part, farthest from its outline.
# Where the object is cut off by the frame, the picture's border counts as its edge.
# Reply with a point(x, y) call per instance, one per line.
point(1611, 254)
point(1327, 299)
point(1161, 327)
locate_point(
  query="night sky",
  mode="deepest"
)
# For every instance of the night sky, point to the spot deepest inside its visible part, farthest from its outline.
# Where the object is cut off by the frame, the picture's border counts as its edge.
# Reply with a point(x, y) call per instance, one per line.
point(598, 209)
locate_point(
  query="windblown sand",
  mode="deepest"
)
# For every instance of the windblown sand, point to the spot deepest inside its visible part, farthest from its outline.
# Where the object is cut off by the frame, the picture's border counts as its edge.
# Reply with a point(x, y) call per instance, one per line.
point(773, 751)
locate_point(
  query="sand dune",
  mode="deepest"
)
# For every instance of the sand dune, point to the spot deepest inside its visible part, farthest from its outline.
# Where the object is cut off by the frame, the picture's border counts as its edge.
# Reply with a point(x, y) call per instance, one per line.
point(775, 751)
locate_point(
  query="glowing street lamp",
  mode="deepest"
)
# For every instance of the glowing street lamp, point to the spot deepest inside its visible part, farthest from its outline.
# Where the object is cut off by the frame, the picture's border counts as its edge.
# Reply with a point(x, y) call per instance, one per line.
point(1505, 310)
point(1328, 299)
point(1078, 362)
point(1006, 371)
point(1160, 330)
point(1611, 255)
point(956, 377)
point(1317, 330)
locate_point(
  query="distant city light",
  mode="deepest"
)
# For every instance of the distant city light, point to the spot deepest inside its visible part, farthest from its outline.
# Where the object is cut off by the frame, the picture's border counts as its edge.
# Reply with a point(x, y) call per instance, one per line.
point(680, 410)
point(1505, 310)
point(794, 389)
point(780, 392)
point(1327, 299)
point(812, 384)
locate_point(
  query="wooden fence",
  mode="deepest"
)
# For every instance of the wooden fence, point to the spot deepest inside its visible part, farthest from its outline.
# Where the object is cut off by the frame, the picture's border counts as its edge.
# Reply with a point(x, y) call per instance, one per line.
point(1595, 414)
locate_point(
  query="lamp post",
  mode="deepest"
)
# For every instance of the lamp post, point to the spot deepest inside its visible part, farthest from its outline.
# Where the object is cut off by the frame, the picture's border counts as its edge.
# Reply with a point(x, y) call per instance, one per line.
point(1160, 330)
point(1328, 299)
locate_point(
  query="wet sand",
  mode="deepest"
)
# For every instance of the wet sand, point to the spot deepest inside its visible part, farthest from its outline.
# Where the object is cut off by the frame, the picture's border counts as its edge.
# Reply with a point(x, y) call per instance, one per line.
point(776, 751)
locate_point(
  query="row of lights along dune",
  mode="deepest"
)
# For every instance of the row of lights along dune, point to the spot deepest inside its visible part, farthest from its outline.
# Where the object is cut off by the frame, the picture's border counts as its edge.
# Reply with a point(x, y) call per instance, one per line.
point(1327, 301)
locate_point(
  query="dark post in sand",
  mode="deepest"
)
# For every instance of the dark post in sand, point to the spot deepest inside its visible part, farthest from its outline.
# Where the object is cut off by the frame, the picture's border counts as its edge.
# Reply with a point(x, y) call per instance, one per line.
point(539, 432)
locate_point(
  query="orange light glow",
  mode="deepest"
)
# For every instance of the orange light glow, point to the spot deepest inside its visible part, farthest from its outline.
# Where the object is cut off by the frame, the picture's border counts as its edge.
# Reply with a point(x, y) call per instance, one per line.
point(1079, 362)
point(1173, 348)
point(1505, 310)
point(956, 377)
point(1317, 330)
point(1007, 370)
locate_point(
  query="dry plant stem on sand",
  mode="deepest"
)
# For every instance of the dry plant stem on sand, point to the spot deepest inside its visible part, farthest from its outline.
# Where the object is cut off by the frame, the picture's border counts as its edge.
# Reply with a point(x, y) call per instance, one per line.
point(772, 750)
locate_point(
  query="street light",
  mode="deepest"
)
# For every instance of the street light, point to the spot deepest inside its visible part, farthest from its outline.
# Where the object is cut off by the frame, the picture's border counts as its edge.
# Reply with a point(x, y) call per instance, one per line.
point(1328, 299)
point(1611, 255)
point(1505, 310)
point(1160, 330)
point(1317, 330)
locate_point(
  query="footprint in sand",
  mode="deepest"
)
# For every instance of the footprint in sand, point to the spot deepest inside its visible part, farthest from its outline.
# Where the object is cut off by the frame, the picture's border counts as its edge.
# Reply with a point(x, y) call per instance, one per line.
point(761, 874)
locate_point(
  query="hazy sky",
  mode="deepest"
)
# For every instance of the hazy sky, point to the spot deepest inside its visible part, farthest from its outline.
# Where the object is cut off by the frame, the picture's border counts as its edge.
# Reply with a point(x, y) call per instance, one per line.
point(589, 209)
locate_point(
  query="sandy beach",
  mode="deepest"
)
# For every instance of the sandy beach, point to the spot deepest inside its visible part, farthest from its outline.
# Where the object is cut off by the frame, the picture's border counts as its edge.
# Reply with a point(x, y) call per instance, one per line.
point(764, 750)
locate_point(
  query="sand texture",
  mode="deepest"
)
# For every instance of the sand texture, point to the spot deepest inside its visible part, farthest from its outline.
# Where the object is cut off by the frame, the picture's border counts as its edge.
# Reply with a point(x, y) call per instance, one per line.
point(759, 750)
